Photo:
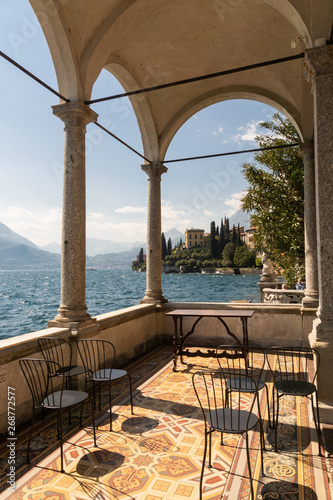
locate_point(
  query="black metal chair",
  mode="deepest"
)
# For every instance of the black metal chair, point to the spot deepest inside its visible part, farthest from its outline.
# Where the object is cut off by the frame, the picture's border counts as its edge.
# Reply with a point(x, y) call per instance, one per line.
point(225, 414)
point(48, 391)
point(60, 352)
point(98, 358)
point(294, 371)
point(250, 362)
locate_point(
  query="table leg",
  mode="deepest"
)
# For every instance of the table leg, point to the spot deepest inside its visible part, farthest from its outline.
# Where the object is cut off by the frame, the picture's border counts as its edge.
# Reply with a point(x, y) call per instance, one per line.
point(175, 345)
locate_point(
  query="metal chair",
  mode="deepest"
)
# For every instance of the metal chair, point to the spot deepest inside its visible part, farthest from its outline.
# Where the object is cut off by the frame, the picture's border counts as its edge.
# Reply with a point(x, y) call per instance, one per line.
point(60, 351)
point(250, 362)
point(98, 358)
point(48, 391)
point(294, 371)
point(224, 414)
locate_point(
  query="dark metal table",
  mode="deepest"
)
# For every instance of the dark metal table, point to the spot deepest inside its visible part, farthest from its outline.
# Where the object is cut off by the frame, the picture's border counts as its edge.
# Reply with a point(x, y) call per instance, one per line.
point(180, 338)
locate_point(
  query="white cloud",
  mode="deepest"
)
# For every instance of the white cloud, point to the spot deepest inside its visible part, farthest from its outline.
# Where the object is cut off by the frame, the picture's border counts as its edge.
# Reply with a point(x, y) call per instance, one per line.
point(131, 210)
point(247, 133)
point(173, 217)
point(234, 202)
point(41, 228)
point(208, 212)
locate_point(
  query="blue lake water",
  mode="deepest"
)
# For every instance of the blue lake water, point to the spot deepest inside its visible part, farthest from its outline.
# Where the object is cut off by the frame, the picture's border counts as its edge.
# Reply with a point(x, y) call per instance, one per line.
point(29, 299)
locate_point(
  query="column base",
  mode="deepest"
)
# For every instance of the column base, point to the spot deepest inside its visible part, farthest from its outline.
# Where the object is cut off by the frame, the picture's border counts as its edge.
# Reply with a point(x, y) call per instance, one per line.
point(325, 372)
point(153, 298)
point(75, 323)
point(310, 300)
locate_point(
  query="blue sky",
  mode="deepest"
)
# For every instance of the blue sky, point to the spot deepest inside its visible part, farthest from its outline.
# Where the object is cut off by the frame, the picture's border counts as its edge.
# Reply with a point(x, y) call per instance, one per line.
point(32, 141)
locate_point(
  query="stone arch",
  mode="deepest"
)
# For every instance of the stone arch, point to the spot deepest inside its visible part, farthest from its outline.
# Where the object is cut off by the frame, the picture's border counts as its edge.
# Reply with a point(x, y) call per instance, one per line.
point(59, 44)
point(254, 94)
point(287, 10)
point(141, 109)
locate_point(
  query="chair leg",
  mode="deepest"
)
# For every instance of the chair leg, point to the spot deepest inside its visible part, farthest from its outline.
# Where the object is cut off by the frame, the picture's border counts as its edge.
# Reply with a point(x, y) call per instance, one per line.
point(110, 401)
point(30, 434)
point(316, 421)
point(130, 384)
point(276, 420)
point(269, 413)
point(93, 419)
point(61, 445)
point(203, 463)
point(249, 463)
point(210, 448)
point(260, 421)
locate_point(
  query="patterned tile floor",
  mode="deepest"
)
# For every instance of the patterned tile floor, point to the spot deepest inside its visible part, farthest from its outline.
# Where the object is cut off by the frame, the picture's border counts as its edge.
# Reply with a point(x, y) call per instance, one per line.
point(156, 454)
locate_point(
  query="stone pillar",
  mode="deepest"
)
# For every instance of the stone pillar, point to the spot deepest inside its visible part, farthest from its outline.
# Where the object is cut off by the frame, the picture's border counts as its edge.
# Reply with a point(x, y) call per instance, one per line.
point(73, 310)
point(311, 298)
point(154, 234)
point(319, 70)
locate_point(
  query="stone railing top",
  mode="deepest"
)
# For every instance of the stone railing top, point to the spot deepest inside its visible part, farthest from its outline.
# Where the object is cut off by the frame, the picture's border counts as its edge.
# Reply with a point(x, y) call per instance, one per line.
point(279, 296)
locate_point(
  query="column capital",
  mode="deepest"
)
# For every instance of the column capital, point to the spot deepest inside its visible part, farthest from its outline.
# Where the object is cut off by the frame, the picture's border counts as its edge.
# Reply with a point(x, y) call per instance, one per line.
point(318, 62)
point(75, 113)
point(306, 149)
point(154, 169)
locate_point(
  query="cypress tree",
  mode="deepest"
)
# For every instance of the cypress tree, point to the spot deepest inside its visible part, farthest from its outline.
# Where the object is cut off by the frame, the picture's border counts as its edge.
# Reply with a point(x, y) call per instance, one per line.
point(221, 242)
point(164, 247)
point(169, 246)
point(213, 244)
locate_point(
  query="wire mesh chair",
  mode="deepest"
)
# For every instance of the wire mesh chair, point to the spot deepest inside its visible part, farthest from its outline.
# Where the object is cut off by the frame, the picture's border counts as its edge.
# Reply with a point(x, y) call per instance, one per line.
point(48, 391)
point(250, 363)
point(98, 358)
point(294, 371)
point(225, 414)
point(60, 351)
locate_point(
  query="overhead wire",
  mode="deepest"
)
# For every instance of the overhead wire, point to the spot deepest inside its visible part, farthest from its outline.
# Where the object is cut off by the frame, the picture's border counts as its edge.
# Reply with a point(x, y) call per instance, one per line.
point(158, 87)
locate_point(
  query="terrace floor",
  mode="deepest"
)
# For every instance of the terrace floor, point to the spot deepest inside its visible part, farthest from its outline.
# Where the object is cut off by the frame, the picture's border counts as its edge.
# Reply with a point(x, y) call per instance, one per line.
point(156, 454)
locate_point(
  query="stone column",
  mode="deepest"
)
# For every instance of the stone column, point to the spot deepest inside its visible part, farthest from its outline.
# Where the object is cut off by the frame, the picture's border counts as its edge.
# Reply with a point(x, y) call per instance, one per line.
point(154, 234)
point(73, 310)
point(319, 70)
point(311, 299)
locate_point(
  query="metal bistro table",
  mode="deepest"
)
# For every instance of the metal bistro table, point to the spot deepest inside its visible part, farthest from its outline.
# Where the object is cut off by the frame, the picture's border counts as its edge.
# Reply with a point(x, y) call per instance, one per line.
point(180, 338)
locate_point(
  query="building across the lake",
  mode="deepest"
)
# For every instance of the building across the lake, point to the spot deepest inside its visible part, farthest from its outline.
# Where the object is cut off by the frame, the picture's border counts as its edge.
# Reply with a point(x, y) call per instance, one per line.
point(194, 237)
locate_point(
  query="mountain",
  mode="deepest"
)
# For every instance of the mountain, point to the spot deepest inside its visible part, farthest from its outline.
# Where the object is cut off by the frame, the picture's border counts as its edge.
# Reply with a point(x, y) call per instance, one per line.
point(241, 218)
point(17, 252)
point(175, 236)
point(9, 238)
point(52, 247)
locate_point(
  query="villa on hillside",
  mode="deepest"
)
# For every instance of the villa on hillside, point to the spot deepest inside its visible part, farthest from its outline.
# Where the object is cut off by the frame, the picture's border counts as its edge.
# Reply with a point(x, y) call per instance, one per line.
point(194, 237)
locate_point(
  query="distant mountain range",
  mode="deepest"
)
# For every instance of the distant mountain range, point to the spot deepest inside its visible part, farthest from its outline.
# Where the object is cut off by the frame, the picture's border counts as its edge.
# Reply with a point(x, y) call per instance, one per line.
point(17, 252)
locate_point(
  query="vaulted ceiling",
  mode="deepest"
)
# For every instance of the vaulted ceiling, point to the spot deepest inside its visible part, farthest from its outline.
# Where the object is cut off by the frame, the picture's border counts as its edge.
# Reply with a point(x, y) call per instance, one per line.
point(145, 43)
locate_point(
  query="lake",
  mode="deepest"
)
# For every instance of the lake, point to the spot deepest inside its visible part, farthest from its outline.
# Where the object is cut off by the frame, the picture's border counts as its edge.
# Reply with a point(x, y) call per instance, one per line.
point(29, 299)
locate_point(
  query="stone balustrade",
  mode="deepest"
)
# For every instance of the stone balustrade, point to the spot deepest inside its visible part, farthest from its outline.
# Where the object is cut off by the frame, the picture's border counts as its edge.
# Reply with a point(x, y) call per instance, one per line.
point(279, 296)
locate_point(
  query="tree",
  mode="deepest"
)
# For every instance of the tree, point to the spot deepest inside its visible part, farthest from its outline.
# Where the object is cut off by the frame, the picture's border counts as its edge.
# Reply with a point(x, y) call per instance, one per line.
point(164, 247)
point(221, 241)
point(226, 230)
point(169, 246)
point(141, 255)
point(228, 255)
point(213, 243)
point(276, 197)
point(244, 257)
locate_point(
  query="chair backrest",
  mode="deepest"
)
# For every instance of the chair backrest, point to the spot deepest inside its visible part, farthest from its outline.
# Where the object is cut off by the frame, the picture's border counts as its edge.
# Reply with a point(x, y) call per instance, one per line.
point(39, 374)
point(97, 355)
point(209, 388)
point(57, 350)
point(235, 359)
point(290, 365)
